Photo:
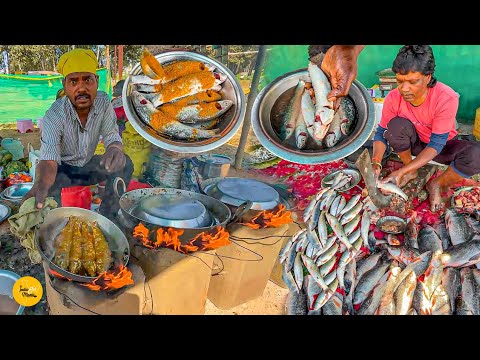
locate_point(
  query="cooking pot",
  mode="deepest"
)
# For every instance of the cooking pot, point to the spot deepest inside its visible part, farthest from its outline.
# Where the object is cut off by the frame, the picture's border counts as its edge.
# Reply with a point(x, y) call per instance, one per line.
point(130, 201)
point(55, 221)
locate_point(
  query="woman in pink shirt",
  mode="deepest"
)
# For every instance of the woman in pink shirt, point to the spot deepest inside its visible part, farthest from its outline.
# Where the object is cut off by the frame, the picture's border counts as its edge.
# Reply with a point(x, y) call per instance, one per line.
point(418, 118)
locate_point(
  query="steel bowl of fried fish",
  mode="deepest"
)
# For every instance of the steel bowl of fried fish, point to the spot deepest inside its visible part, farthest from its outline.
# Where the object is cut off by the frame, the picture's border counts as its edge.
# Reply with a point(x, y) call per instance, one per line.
point(183, 101)
point(80, 244)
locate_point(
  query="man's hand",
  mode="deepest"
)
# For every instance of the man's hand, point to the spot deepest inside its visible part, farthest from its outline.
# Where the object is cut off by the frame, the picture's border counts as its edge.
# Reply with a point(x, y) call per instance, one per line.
point(340, 66)
point(40, 193)
point(113, 160)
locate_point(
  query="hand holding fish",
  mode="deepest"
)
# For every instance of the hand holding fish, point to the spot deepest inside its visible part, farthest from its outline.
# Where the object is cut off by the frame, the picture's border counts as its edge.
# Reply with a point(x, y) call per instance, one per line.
point(340, 65)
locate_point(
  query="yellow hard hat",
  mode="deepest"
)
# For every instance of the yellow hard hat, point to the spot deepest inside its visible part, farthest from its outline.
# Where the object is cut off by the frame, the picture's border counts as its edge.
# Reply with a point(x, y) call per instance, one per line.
point(77, 60)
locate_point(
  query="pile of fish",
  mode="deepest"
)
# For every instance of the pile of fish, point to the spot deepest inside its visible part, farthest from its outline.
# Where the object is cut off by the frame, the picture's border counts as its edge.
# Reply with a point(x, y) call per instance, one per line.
point(335, 232)
point(310, 116)
point(431, 273)
point(180, 99)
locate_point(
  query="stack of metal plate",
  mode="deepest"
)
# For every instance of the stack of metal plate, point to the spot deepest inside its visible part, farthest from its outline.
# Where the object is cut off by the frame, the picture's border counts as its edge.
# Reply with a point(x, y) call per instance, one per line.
point(164, 169)
point(16, 192)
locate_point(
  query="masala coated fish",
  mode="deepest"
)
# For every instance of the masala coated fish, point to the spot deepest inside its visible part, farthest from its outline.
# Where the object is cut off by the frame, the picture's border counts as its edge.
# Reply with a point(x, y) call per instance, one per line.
point(103, 255)
point(88, 251)
point(164, 123)
point(63, 245)
point(171, 71)
point(184, 86)
point(200, 112)
point(75, 264)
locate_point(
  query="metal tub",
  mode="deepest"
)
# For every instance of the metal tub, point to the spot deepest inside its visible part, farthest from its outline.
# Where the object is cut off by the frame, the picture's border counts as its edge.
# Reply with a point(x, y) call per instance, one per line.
point(272, 101)
point(55, 221)
point(229, 125)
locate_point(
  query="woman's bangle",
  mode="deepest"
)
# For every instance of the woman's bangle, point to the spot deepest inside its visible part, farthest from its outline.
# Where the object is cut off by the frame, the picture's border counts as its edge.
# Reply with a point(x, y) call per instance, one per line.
point(377, 163)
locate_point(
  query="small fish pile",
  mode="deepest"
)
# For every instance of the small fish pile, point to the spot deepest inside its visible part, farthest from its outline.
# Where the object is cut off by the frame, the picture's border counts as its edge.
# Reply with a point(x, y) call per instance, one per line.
point(346, 179)
point(310, 117)
point(430, 272)
point(333, 238)
point(180, 99)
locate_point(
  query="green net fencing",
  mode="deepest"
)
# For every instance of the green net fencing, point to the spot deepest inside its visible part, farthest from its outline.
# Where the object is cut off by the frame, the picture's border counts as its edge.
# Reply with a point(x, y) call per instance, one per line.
point(30, 96)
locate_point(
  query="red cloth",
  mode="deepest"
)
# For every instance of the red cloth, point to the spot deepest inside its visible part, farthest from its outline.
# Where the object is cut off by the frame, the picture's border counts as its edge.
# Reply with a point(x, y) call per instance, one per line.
point(436, 115)
point(77, 196)
point(134, 185)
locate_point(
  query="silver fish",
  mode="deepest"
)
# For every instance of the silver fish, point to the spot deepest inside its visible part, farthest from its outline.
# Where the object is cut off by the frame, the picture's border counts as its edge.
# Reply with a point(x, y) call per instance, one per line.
point(290, 259)
point(442, 232)
point(289, 280)
point(365, 227)
point(457, 227)
point(292, 111)
point(334, 305)
point(341, 205)
point(463, 254)
point(428, 239)
point(323, 296)
point(296, 303)
point(367, 264)
point(327, 255)
point(469, 303)
point(321, 85)
point(330, 241)
point(350, 204)
point(329, 197)
point(312, 224)
point(354, 236)
point(403, 253)
point(322, 228)
point(368, 281)
point(338, 230)
point(392, 188)
point(191, 114)
point(441, 302)
point(349, 110)
point(308, 212)
point(308, 112)
point(315, 272)
point(371, 303)
point(298, 270)
point(166, 125)
point(404, 294)
point(351, 213)
point(417, 267)
point(349, 280)
point(411, 233)
point(452, 285)
point(301, 132)
point(421, 302)
point(283, 253)
point(387, 303)
point(334, 206)
point(351, 225)
point(334, 133)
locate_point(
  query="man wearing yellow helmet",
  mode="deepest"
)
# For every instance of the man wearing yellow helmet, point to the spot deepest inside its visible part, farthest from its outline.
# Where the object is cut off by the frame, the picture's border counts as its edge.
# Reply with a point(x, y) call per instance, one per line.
point(72, 127)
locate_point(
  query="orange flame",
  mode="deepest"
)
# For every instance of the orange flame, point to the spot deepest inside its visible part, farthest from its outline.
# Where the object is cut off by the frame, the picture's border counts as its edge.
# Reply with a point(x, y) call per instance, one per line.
point(276, 217)
point(212, 240)
point(170, 238)
point(54, 273)
point(110, 280)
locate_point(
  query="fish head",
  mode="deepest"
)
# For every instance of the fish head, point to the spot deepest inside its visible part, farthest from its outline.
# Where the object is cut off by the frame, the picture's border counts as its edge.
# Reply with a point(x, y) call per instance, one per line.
point(330, 139)
point(223, 104)
point(302, 139)
point(143, 106)
point(219, 78)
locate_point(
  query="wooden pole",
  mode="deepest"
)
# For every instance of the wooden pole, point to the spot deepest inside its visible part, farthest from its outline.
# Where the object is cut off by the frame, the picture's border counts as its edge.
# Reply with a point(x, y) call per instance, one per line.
point(120, 62)
point(251, 97)
point(115, 64)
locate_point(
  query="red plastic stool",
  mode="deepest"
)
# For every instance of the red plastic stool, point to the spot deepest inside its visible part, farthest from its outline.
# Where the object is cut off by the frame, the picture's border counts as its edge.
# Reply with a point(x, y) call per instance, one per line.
point(24, 125)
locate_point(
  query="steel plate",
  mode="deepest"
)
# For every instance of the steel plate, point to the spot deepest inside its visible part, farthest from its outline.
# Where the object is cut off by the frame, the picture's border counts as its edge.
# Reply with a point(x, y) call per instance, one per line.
point(231, 120)
point(5, 212)
point(17, 191)
point(271, 102)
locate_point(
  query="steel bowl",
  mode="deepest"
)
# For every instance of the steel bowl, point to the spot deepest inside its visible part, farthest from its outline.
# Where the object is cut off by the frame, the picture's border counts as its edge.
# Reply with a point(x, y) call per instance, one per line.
point(402, 224)
point(5, 212)
point(55, 221)
point(229, 125)
point(173, 210)
point(272, 101)
point(356, 177)
point(17, 191)
point(262, 195)
point(130, 200)
point(7, 280)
